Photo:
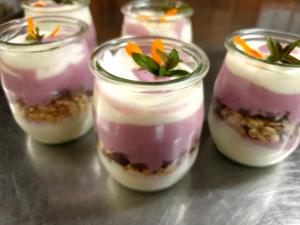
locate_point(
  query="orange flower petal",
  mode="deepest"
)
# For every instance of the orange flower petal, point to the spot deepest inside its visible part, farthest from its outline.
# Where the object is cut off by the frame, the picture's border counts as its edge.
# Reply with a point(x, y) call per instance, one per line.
point(132, 48)
point(157, 44)
point(162, 19)
point(239, 41)
point(171, 12)
point(55, 32)
point(30, 26)
point(143, 17)
point(38, 4)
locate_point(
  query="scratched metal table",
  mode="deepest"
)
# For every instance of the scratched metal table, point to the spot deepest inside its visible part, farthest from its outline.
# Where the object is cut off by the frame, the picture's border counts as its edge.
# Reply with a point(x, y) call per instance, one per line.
point(66, 184)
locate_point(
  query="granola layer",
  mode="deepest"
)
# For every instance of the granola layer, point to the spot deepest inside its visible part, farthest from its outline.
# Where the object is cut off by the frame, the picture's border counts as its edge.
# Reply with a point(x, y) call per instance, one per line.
point(67, 105)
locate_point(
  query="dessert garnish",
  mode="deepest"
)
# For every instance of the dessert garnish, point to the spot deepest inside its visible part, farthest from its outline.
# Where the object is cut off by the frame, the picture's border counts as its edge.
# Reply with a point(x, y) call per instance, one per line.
point(239, 41)
point(160, 63)
point(279, 53)
point(39, 4)
point(168, 11)
point(33, 33)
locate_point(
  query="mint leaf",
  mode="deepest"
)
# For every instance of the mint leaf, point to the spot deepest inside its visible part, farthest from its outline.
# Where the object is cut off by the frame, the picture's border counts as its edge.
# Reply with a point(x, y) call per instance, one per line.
point(290, 59)
point(273, 48)
point(290, 47)
point(146, 63)
point(280, 54)
point(172, 60)
point(162, 71)
point(162, 55)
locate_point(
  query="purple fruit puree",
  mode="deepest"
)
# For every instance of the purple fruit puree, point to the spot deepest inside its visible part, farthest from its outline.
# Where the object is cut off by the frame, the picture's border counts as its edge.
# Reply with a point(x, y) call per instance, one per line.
point(238, 93)
point(134, 29)
point(91, 37)
point(145, 76)
point(31, 91)
point(179, 27)
point(151, 144)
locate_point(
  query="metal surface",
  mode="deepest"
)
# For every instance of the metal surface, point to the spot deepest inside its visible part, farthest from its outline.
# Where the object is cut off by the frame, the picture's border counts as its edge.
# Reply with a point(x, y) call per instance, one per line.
point(66, 184)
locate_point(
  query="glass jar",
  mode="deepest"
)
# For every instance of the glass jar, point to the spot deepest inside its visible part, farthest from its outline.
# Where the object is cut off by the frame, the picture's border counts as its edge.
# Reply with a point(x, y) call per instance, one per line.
point(79, 9)
point(48, 84)
point(144, 18)
point(255, 111)
point(148, 131)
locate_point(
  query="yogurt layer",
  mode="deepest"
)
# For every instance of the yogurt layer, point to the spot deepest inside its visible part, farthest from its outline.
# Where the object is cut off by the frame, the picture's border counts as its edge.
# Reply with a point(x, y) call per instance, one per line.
point(243, 150)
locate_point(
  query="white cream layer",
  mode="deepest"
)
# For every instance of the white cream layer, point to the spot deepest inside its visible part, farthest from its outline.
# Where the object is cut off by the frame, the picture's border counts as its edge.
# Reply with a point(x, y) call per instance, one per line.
point(239, 149)
point(278, 79)
point(140, 182)
point(45, 63)
point(146, 109)
point(69, 10)
point(54, 133)
point(166, 29)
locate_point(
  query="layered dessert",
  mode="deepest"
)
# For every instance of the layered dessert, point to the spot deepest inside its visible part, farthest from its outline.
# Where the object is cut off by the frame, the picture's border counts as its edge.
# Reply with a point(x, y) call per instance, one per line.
point(254, 118)
point(148, 132)
point(78, 9)
point(46, 78)
point(165, 18)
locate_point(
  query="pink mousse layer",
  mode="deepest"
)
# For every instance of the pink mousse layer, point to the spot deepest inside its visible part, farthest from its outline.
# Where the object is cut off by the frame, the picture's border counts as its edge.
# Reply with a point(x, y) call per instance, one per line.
point(135, 29)
point(91, 37)
point(152, 144)
point(32, 91)
point(239, 93)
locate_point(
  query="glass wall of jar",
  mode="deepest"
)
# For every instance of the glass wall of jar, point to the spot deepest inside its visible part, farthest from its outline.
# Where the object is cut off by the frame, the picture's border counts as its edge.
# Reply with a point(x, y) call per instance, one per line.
point(163, 18)
point(148, 127)
point(78, 9)
point(254, 116)
point(46, 78)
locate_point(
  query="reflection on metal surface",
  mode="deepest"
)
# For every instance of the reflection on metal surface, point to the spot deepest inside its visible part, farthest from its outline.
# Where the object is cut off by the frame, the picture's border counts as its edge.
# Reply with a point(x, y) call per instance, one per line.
point(69, 173)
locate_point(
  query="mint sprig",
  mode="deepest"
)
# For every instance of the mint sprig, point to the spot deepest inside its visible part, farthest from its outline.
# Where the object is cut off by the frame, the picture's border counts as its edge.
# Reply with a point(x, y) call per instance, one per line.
point(169, 62)
point(280, 53)
point(36, 36)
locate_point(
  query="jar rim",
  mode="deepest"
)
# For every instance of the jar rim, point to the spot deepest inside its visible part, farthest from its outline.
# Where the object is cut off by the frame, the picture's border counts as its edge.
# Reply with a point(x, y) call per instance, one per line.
point(128, 9)
point(197, 74)
point(26, 6)
point(83, 27)
point(261, 33)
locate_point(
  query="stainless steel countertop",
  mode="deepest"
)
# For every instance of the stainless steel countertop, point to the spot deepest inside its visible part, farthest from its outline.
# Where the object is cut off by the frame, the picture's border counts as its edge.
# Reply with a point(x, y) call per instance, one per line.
point(66, 184)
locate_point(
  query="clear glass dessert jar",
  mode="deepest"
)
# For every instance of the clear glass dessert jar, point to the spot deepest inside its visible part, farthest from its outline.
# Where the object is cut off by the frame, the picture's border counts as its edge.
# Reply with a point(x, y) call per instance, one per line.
point(78, 9)
point(163, 18)
point(148, 128)
point(254, 115)
point(47, 83)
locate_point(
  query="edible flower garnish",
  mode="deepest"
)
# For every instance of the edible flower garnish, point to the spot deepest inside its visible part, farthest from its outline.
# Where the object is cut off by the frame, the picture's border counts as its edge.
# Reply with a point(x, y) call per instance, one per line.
point(239, 41)
point(170, 10)
point(39, 4)
point(278, 53)
point(33, 33)
point(160, 63)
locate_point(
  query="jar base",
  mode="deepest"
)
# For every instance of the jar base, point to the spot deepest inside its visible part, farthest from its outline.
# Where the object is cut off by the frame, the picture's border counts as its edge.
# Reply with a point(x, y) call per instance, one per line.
point(240, 150)
point(148, 182)
point(60, 132)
